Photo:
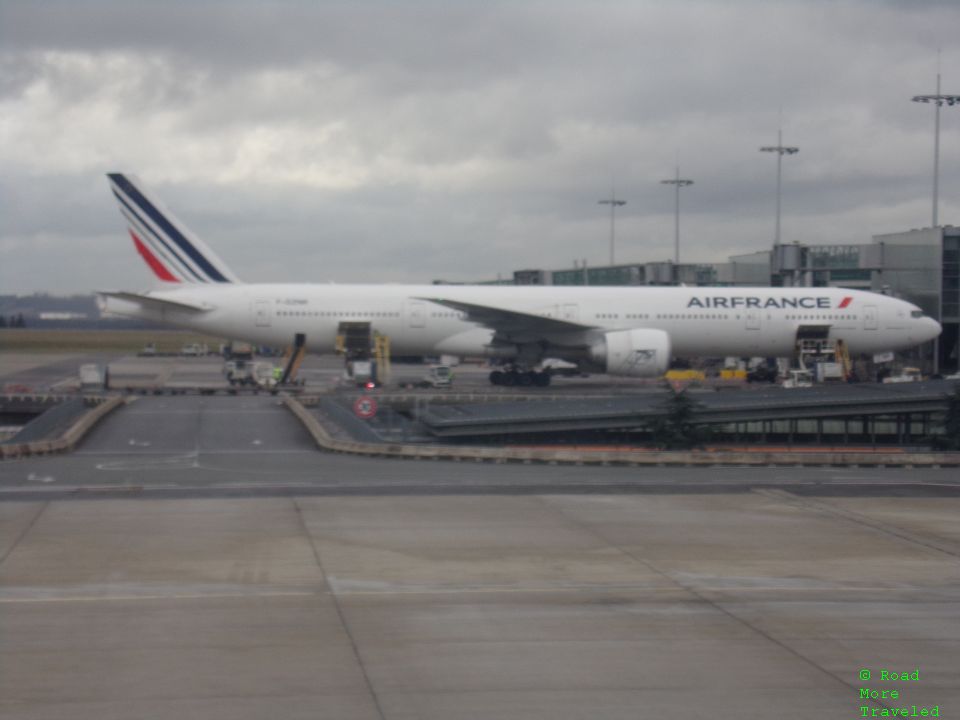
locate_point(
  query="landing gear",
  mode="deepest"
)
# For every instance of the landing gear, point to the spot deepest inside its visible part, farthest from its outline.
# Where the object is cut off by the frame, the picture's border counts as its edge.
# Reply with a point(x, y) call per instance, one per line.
point(521, 378)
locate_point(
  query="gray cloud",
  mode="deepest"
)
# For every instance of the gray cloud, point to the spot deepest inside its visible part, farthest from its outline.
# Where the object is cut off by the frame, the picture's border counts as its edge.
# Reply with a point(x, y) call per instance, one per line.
point(401, 142)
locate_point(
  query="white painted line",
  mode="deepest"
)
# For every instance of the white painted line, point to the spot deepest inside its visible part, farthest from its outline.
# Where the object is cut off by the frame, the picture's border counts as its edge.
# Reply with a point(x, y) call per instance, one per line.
point(173, 453)
point(616, 588)
point(184, 596)
point(33, 477)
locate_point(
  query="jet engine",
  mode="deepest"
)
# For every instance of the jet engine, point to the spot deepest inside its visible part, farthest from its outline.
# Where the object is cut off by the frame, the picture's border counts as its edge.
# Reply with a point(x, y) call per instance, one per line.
point(633, 353)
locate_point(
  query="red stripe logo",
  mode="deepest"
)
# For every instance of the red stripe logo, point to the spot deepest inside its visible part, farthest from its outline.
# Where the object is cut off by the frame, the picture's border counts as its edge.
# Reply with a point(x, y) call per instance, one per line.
point(843, 303)
point(158, 268)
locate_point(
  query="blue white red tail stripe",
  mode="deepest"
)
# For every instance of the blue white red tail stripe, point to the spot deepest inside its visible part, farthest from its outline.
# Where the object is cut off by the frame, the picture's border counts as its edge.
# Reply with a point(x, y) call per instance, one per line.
point(146, 210)
point(149, 238)
point(159, 269)
point(160, 247)
point(168, 247)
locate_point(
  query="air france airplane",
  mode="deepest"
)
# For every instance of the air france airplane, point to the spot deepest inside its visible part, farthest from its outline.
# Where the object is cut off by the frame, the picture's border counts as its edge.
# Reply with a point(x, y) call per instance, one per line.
point(625, 331)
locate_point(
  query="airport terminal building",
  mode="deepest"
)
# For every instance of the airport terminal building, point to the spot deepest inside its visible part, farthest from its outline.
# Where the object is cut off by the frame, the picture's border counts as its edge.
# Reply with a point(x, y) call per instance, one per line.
point(922, 266)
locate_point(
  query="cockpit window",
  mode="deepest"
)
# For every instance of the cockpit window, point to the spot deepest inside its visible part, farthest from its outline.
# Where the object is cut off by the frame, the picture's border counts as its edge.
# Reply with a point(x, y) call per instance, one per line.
point(916, 313)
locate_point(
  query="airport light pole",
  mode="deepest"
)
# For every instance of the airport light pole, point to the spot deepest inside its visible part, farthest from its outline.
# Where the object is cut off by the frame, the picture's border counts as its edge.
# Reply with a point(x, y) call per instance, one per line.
point(614, 204)
point(679, 183)
point(938, 100)
point(780, 150)
point(582, 268)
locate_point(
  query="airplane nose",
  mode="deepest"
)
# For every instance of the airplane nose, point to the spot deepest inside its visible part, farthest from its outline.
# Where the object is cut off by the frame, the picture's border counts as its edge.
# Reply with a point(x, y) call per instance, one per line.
point(932, 329)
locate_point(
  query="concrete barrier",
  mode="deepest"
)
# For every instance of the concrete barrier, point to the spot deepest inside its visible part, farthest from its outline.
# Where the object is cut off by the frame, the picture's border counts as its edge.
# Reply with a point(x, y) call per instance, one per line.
point(325, 441)
point(69, 439)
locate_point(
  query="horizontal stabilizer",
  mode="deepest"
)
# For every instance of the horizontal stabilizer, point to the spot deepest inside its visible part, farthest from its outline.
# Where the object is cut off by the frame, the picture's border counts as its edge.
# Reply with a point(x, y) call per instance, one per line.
point(156, 303)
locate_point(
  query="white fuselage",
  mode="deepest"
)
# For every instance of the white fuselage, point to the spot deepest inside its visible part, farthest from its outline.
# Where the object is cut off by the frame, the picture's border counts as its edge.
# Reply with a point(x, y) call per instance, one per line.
point(701, 321)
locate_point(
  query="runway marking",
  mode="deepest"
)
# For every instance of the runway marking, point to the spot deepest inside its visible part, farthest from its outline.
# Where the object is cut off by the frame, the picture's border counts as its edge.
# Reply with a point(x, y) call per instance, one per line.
point(594, 589)
point(33, 477)
point(187, 461)
point(265, 451)
point(207, 411)
point(874, 483)
point(182, 596)
point(166, 487)
point(241, 451)
point(630, 588)
point(178, 462)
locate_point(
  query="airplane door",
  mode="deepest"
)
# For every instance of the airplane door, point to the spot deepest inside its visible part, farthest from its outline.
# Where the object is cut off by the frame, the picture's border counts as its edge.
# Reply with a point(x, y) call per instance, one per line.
point(571, 313)
point(261, 313)
point(753, 319)
point(417, 314)
point(871, 318)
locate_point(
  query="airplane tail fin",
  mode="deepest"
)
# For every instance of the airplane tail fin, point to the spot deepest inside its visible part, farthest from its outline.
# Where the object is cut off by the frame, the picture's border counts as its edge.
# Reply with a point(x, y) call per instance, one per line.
point(173, 253)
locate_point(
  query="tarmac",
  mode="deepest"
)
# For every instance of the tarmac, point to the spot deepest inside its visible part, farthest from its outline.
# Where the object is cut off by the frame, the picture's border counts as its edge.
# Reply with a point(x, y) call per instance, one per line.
point(198, 557)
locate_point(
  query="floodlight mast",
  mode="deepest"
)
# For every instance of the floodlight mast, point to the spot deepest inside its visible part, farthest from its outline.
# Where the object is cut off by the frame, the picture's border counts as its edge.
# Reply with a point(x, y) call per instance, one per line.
point(614, 204)
point(938, 100)
point(679, 183)
point(780, 150)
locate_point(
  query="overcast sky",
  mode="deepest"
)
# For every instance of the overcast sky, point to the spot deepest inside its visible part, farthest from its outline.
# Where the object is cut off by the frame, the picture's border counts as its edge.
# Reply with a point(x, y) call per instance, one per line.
point(405, 141)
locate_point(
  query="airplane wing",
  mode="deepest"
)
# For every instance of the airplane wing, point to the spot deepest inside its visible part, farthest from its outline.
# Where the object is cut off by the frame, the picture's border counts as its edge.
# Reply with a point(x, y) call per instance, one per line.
point(156, 303)
point(510, 323)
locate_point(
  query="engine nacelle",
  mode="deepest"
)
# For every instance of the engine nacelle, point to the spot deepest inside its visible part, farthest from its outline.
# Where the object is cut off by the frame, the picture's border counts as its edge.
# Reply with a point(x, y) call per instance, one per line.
point(633, 353)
